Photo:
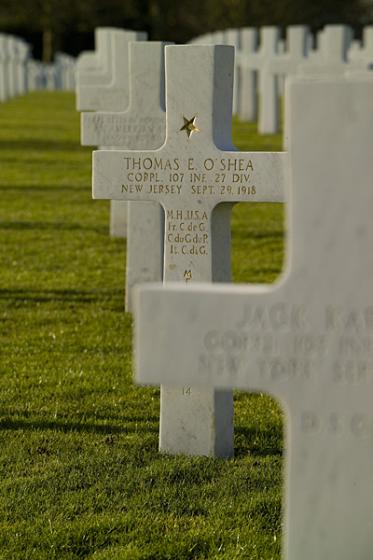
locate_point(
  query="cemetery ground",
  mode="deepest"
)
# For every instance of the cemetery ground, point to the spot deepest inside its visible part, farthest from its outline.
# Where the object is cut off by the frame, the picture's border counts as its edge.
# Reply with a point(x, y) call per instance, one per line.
point(81, 476)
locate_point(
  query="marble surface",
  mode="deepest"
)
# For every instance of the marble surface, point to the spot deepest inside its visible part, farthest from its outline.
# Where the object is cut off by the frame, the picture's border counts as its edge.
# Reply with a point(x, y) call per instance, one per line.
point(248, 96)
point(268, 86)
point(108, 87)
point(111, 58)
point(141, 126)
point(307, 340)
point(195, 171)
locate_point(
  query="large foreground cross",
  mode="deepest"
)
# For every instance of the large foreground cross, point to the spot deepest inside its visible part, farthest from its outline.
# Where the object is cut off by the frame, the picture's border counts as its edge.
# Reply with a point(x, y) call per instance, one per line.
point(194, 172)
point(308, 340)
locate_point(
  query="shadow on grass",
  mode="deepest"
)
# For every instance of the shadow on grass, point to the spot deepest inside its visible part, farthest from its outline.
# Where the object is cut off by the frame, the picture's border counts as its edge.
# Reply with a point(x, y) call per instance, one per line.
point(149, 424)
point(36, 144)
point(244, 234)
point(46, 296)
point(46, 188)
point(130, 424)
point(258, 442)
point(61, 226)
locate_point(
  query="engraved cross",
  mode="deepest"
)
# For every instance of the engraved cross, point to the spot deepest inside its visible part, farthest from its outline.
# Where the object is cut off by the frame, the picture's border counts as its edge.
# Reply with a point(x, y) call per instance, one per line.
point(191, 175)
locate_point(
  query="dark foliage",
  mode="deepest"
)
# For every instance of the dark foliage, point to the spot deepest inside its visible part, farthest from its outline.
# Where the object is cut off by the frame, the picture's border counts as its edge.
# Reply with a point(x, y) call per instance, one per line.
point(68, 24)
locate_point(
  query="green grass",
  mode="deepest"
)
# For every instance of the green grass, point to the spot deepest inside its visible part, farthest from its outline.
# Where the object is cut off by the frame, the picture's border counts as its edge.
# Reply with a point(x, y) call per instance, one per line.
point(80, 473)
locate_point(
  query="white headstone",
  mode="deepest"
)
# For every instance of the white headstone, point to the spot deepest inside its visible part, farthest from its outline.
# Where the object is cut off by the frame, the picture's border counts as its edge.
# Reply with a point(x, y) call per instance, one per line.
point(308, 340)
point(331, 58)
point(97, 67)
point(297, 40)
point(88, 61)
point(35, 75)
point(248, 96)
point(50, 77)
point(269, 113)
point(268, 84)
point(144, 120)
point(368, 41)
point(22, 55)
point(11, 66)
point(4, 90)
point(194, 172)
point(285, 64)
point(66, 68)
point(112, 97)
point(362, 53)
point(109, 90)
point(142, 126)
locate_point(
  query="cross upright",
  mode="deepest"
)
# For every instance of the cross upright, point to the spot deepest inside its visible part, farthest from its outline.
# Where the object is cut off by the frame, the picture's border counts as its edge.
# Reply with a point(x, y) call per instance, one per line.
point(308, 340)
point(268, 83)
point(11, 66)
point(283, 64)
point(191, 175)
point(286, 64)
point(96, 68)
point(22, 54)
point(298, 45)
point(248, 98)
point(331, 56)
point(141, 126)
point(112, 52)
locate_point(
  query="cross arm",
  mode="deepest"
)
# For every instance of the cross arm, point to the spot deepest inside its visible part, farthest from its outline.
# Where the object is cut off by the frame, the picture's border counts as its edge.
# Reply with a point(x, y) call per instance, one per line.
point(253, 176)
point(121, 175)
point(216, 346)
point(222, 177)
point(99, 98)
point(131, 131)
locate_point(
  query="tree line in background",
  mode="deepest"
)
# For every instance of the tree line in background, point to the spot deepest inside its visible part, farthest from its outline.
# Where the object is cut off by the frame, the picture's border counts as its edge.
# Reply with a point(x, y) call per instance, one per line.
point(67, 25)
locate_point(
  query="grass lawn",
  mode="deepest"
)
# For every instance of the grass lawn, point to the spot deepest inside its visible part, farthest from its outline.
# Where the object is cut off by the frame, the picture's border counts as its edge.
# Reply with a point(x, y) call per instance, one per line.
point(81, 476)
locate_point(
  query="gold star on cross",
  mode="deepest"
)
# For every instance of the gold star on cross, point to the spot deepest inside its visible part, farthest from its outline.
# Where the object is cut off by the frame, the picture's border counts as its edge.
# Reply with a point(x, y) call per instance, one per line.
point(189, 126)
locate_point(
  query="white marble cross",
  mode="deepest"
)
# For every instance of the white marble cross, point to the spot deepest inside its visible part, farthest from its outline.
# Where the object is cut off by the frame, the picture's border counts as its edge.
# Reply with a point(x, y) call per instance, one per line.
point(11, 66)
point(194, 172)
point(50, 77)
point(286, 64)
point(142, 126)
point(108, 89)
point(110, 97)
point(308, 340)
point(23, 52)
point(95, 67)
point(248, 94)
point(4, 89)
point(89, 61)
point(144, 120)
point(268, 84)
point(331, 56)
point(363, 54)
point(66, 70)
